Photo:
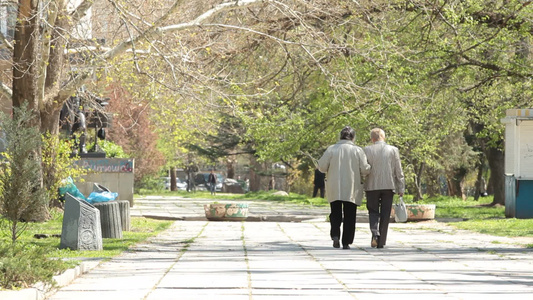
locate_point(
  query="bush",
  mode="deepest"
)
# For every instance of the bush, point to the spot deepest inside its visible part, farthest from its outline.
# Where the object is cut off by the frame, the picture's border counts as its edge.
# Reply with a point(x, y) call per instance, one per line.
point(111, 149)
point(58, 165)
point(22, 265)
point(22, 196)
point(150, 183)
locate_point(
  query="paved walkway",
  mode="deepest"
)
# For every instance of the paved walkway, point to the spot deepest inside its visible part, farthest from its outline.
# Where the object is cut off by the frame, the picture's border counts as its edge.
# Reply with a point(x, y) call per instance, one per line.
point(198, 259)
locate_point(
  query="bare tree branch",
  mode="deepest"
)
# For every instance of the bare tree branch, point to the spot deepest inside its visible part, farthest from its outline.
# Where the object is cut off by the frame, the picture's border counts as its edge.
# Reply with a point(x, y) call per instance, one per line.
point(122, 47)
point(227, 6)
point(5, 42)
point(81, 11)
point(282, 41)
point(5, 90)
point(67, 89)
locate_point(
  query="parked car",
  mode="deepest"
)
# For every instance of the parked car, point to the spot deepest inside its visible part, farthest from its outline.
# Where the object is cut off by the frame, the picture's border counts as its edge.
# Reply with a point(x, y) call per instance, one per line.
point(233, 186)
point(181, 185)
point(166, 182)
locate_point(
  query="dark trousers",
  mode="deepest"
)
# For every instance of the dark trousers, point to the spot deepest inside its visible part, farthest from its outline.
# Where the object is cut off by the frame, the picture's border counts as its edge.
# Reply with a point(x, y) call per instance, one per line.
point(336, 218)
point(379, 205)
point(315, 190)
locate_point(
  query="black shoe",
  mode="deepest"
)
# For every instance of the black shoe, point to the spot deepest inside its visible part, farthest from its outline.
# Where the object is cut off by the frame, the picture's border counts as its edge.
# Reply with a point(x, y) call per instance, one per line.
point(380, 246)
point(374, 242)
point(345, 246)
point(336, 243)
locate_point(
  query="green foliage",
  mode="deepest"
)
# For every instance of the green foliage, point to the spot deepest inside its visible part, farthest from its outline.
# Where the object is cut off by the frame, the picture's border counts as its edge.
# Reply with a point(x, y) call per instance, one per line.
point(432, 72)
point(22, 196)
point(23, 264)
point(501, 227)
point(33, 260)
point(451, 207)
point(149, 184)
point(141, 228)
point(132, 127)
point(480, 216)
point(112, 150)
point(58, 164)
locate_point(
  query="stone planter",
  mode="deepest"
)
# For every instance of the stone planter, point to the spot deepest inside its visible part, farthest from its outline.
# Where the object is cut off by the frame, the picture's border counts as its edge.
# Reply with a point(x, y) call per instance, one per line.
point(419, 212)
point(226, 211)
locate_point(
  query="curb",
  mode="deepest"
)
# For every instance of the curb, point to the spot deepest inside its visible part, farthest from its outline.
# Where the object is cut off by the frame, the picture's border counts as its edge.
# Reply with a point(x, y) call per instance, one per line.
point(40, 291)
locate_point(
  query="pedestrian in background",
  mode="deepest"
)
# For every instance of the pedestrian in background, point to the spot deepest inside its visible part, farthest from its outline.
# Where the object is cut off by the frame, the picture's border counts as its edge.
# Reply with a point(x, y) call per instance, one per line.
point(345, 165)
point(319, 183)
point(385, 179)
point(212, 181)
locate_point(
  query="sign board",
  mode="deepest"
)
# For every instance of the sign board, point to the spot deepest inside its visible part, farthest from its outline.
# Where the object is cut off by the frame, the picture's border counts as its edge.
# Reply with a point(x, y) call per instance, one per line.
point(107, 165)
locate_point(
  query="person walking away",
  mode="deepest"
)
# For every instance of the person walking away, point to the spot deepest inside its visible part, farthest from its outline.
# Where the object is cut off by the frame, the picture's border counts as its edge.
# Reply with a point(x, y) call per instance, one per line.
point(385, 179)
point(318, 183)
point(212, 181)
point(345, 165)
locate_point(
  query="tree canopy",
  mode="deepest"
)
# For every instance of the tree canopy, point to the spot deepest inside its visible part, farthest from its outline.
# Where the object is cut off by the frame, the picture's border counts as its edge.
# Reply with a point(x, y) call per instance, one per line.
point(287, 75)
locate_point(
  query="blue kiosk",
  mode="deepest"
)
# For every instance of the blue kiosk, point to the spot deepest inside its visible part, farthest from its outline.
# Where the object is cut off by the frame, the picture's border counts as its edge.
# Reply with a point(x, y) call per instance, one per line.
point(518, 163)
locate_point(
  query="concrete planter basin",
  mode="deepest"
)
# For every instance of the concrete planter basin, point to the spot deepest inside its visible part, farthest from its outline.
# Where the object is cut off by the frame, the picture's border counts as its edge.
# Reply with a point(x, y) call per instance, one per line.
point(419, 212)
point(226, 211)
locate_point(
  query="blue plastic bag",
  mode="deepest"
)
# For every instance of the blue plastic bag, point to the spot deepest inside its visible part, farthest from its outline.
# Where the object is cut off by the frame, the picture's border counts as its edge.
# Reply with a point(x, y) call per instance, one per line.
point(68, 186)
point(95, 197)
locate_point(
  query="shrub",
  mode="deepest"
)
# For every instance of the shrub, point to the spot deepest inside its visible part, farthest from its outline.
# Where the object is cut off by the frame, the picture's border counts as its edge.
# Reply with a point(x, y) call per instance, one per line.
point(151, 183)
point(23, 264)
point(58, 165)
point(22, 197)
point(111, 149)
point(133, 130)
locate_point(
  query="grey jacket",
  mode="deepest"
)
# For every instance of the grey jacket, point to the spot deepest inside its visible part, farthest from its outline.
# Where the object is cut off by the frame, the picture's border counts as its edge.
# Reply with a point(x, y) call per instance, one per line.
point(345, 166)
point(386, 173)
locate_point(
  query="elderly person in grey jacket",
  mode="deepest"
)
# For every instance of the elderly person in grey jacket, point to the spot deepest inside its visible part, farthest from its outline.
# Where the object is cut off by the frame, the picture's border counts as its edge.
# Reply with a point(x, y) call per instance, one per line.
point(345, 166)
point(385, 179)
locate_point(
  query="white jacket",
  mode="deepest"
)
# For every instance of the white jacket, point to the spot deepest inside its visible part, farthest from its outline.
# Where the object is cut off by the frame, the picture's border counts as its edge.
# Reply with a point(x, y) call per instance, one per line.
point(386, 173)
point(345, 166)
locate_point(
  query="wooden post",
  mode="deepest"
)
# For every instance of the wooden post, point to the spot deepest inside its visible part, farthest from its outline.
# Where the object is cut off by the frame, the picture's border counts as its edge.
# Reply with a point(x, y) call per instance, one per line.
point(110, 219)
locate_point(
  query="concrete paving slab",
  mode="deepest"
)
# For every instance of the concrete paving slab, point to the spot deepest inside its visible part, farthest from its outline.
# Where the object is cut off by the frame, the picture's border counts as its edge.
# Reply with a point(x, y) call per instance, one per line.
point(201, 259)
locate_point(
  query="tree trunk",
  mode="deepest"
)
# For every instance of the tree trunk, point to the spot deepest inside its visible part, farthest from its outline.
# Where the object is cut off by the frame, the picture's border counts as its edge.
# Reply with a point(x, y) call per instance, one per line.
point(433, 185)
point(25, 77)
point(173, 186)
point(455, 183)
point(25, 55)
point(50, 121)
point(496, 160)
point(418, 183)
point(54, 74)
point(479, 177)
point(255, 178)
point(230, 167)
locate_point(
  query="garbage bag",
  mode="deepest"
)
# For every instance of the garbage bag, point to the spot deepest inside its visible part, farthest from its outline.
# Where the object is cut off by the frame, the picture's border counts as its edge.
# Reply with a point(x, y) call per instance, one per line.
point(95, 197)
point(68, 186)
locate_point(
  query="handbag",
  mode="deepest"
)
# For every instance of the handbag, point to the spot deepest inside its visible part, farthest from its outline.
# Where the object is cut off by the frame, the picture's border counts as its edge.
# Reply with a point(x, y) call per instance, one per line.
point(400, 211)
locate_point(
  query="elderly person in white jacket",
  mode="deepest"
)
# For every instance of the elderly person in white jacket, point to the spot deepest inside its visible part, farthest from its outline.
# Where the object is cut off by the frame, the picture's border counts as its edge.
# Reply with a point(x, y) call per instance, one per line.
point(382, 183)
point(345, 166)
